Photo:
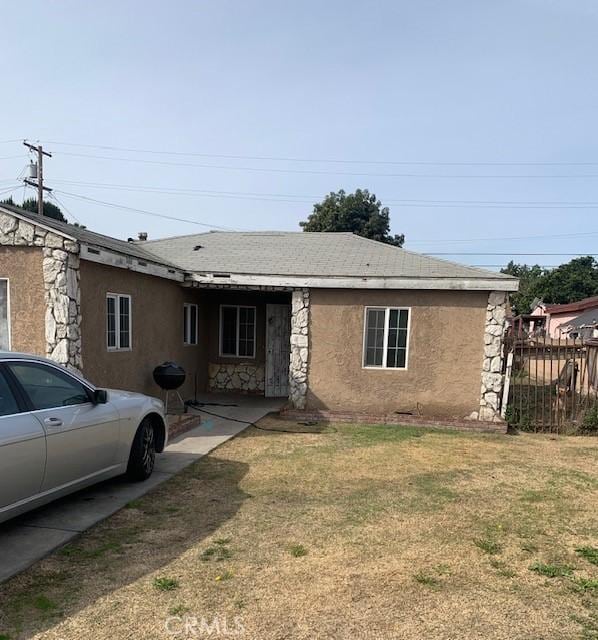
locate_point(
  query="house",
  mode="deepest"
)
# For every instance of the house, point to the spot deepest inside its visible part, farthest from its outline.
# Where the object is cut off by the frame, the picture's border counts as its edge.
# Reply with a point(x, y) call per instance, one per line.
point(332, 321)
point(574, 319)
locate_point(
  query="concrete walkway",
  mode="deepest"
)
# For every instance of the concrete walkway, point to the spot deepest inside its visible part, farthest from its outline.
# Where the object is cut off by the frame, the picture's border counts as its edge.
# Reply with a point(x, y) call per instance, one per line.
point(28, 538)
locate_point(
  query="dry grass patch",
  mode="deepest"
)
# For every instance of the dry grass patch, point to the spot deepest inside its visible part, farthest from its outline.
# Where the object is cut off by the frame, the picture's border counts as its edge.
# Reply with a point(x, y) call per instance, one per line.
point(351, 531)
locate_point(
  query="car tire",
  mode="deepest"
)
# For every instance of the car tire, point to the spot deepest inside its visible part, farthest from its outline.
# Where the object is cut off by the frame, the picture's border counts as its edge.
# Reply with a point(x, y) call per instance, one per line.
point(143, 452)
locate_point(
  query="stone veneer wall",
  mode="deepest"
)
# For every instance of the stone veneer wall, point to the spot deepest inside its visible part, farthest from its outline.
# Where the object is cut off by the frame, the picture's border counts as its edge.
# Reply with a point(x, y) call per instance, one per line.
point(236, 377)
point(492, 379)
point(298, 369)
point(61, 286)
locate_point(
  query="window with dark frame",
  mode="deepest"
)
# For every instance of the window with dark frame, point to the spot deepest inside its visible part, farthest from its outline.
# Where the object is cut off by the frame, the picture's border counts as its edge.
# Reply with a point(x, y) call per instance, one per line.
point(237, 331)
point(190, 329)
point(118, 321)
point(386, 337)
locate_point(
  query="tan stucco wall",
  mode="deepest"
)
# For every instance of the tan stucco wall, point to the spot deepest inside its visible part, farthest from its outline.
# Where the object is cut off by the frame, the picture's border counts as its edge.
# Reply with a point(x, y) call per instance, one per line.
point(157, 330)
point(23, 268)
point(445, 353)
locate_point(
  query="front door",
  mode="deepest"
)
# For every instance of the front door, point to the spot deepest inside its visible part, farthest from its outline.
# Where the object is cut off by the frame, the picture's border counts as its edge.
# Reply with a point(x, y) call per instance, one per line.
point(278, 349)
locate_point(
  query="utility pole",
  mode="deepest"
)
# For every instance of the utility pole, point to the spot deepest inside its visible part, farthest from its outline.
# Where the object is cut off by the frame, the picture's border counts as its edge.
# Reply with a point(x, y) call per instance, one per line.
point(40, 175)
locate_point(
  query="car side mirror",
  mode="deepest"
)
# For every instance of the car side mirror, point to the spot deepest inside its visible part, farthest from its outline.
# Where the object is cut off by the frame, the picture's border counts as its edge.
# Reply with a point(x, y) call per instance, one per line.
point(100, 396)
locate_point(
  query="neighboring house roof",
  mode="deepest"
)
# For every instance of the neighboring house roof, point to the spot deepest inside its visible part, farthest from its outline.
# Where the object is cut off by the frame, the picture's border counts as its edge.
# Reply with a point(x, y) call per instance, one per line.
point(306, 255)
point(587, 319)
point(84, 235)
point(572, 307)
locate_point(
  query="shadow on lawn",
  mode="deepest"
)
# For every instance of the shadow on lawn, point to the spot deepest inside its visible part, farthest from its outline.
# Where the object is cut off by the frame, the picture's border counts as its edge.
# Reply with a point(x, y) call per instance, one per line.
point(147, 535)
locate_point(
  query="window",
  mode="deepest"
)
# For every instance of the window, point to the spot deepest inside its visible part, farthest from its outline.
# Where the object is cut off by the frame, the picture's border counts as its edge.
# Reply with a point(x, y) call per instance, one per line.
point(8, 402)
point(48, 387)
point(189, 323)
point(237, 331)
point(4, 316)
point(118, 322)
point(386, 337)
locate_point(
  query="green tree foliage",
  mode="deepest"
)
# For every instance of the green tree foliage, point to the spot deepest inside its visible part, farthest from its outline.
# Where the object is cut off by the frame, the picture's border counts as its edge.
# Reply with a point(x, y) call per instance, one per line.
point(50, 210)
point(358, 212)
point(570, 282)
point(529, 285)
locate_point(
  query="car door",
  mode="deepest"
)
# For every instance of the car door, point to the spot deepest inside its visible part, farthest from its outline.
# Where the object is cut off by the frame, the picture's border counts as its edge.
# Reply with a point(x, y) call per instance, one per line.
point(81, 437)
point(22, 447)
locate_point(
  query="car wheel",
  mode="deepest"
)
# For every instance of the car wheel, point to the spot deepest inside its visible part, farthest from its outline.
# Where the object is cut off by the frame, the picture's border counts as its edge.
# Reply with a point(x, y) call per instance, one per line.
point(143, 452)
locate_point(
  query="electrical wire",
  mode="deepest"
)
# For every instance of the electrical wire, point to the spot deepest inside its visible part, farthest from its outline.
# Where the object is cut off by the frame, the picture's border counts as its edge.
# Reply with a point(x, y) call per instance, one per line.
point(334, 173)
point(142, 211)
point(323, 160)
point(286, 197)
point(198, 406)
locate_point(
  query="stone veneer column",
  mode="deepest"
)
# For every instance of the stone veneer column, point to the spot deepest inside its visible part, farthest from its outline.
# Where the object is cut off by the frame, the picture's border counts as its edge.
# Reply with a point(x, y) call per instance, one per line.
point(492, 379)
point(299, 348)
point(60, 270)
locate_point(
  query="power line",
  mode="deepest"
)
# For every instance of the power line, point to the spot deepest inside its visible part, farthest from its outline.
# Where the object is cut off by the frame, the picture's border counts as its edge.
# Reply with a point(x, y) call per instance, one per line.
point(557, 235)
point(307, 198)
point(490, 253)
point(325, 160)
point(334, 173)
point(143, 211)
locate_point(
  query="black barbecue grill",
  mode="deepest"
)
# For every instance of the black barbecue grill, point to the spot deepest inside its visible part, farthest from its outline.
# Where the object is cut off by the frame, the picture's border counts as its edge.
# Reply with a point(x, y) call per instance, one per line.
point(169, 376)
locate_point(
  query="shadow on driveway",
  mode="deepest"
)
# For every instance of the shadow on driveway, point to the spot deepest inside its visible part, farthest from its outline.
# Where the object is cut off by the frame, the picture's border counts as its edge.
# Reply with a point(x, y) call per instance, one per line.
point(150, 533)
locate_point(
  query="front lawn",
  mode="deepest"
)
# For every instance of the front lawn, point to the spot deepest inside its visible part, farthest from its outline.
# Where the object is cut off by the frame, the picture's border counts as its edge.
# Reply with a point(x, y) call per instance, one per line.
point(349, 532)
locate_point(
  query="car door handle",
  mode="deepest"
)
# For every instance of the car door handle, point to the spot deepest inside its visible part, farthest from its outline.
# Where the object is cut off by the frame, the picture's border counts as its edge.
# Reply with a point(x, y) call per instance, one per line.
point(53, 422)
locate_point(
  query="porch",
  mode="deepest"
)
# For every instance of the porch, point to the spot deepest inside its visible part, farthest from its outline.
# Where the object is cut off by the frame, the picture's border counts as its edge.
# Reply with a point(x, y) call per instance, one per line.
point(247, 339)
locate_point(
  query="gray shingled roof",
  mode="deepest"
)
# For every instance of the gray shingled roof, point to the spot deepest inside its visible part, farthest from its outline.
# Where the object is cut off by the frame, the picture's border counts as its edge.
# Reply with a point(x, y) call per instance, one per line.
point(89, 237)
point(303, 254)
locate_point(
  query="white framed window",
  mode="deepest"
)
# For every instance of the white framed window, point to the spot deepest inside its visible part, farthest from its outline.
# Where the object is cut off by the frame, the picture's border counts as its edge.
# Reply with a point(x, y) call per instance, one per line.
point(189, 323)
point(4, 315)
point(237, 331)
point(386, 337)
point(118, 322)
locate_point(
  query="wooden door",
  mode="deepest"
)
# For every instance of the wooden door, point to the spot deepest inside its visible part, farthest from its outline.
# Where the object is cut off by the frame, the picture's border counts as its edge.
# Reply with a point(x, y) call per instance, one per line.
point(278, 349)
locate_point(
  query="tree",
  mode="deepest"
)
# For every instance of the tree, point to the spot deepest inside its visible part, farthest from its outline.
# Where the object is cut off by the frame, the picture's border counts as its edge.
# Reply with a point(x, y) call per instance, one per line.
point(530, 278)
point(50, 210)
point(569, 282)
point(358, 212)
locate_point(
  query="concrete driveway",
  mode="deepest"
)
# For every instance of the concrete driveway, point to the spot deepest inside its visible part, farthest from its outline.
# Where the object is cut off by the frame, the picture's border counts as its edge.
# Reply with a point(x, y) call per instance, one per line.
point(30, 537)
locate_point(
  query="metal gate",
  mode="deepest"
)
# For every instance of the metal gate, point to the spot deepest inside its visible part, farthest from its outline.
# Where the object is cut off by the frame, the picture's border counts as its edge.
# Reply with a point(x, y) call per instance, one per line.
point(553, 383)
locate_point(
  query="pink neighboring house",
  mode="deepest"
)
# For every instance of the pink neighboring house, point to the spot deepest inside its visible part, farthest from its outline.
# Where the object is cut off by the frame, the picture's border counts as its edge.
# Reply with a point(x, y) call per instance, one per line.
point(559, 316)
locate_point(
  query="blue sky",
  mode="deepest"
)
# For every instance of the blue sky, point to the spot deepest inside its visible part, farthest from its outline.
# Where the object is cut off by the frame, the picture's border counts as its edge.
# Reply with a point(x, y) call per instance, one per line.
point(388, 82)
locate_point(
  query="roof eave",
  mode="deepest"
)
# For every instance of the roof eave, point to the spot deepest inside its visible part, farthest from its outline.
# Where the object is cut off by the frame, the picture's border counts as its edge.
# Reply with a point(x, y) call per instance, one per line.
point(354, 282)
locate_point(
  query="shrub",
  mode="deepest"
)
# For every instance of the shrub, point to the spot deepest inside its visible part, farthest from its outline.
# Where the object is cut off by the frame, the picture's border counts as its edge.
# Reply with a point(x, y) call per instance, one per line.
point(589, 424)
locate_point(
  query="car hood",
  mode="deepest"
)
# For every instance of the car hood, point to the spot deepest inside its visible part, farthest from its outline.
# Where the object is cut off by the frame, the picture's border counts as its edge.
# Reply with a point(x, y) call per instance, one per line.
point(119, 394)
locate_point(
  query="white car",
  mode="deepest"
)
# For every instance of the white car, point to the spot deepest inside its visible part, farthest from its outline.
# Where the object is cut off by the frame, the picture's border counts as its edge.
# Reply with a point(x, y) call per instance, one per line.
point(59, 433)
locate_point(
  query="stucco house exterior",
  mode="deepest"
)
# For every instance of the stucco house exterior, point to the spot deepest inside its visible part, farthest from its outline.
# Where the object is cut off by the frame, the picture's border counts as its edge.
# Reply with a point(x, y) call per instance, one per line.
point(332, 321)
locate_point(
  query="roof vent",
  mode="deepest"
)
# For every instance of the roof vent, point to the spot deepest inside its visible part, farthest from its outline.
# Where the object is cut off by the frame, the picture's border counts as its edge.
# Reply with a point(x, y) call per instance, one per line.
point(142, 235)
point(197, 247)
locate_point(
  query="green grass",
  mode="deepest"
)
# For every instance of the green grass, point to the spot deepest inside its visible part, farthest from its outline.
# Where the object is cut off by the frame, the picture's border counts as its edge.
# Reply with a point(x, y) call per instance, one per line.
point(426, 579)
point(75, 552)
point(502, 568)
point(43, 603)
point(491, 547)
point(587, 584)
point(551, 570)
point(298, 551)
point(4, 637)
point(166, 584)
point(178, 610)
point(588, 553)
point(218, 553)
